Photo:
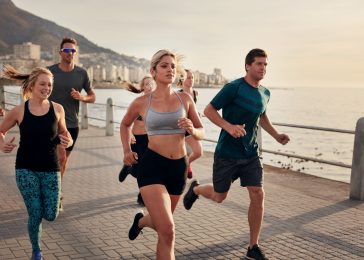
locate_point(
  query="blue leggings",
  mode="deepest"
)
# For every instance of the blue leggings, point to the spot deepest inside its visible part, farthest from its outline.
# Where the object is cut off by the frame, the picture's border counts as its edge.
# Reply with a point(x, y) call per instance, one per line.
point(41, 194)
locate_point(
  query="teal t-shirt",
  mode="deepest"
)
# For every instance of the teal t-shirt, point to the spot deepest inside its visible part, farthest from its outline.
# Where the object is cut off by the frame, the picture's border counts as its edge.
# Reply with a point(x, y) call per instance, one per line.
point(62, 85)
point(241, 103)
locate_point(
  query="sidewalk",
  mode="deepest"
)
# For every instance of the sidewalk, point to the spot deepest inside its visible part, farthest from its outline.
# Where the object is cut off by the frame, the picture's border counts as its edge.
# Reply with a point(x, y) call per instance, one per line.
point(305, 217)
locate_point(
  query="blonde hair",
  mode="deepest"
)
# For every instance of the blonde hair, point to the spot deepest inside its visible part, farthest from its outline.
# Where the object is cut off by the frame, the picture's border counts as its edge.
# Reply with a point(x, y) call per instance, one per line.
point(28, 80)
point(157, 57)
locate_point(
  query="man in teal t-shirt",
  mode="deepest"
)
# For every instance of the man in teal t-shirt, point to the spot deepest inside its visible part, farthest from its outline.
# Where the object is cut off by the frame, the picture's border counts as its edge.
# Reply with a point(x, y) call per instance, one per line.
point(243, 103)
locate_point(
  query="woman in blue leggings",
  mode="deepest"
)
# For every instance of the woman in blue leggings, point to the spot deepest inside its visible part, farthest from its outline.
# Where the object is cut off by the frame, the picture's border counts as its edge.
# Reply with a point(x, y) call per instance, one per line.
point(41, 126)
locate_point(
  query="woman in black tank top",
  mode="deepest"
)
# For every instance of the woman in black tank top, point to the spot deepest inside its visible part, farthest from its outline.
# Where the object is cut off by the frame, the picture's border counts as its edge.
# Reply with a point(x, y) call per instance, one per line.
point(186, 82)
point(42, 126)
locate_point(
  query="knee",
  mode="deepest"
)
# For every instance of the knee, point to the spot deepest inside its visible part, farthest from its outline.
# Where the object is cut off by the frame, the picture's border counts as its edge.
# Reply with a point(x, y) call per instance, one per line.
point(167, 233)
point(257, 193)
point(51, 216)
point(219, 198)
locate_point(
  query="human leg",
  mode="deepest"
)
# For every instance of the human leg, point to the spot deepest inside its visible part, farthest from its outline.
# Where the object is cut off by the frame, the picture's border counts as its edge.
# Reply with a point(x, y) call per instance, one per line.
point(160, 206)
point(62, 158)
point(51, 193)
point(161, 181)
point(252, 178)
point(206, 190)
point(255, 213)
point(196, 148)
point(29, 186)
point(65, 153)
point(223, 174)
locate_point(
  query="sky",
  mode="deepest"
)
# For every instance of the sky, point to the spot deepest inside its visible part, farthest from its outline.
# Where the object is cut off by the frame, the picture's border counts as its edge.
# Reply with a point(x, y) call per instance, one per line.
point(309, 43)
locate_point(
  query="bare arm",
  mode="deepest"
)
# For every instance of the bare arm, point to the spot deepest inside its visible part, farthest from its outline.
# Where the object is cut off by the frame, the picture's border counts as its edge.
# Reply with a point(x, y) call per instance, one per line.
point(192, 124)
point(125, 131)
point(10, 120)
point(63, 134)
point(234, 130)
point(269, 128)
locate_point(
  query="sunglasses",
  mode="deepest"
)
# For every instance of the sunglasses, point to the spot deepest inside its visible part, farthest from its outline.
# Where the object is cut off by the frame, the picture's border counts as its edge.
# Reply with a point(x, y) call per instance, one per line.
point(68, 50)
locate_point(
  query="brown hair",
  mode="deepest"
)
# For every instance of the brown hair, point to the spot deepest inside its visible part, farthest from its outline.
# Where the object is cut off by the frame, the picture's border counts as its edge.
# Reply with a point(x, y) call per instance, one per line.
point(250, 57)
point(28, 80)
point(68, 40)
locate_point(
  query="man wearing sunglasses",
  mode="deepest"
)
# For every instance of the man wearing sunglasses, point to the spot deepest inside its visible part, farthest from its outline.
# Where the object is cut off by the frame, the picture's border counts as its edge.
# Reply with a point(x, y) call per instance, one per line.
point(69, 81)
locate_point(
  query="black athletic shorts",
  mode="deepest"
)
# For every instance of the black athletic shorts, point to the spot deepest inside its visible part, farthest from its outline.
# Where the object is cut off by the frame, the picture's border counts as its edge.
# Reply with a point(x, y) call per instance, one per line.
point(74, 133)
point(226, 171)
point(157, 169)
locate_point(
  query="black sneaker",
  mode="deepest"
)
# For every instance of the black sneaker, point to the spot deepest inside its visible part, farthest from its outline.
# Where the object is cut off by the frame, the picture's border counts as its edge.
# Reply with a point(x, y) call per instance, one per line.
point(124, 172)
point(190, 197)
point(255, 253)
point(135, 230)
point(140, 200)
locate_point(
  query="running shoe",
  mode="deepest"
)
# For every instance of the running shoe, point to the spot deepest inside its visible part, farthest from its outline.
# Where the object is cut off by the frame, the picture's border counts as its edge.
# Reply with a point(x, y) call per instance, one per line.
point(135, 230)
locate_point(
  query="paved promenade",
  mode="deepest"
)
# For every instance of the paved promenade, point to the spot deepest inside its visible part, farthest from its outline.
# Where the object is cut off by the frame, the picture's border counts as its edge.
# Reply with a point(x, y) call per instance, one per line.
point(305, 217)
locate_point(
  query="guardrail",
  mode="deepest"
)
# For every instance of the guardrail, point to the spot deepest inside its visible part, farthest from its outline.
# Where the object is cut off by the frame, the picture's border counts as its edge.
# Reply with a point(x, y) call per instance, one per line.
point(357, 167)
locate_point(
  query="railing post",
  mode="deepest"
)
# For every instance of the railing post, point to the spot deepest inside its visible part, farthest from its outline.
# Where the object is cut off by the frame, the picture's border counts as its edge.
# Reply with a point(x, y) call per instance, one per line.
point(84, 115)
point(357, 168)
point(109, 118)
point(2, 96)
point(260, 139)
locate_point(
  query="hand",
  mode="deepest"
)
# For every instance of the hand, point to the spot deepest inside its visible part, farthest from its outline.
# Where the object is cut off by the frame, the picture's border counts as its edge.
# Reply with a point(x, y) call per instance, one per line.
point(236, 131)
point(282, 139)
point(132, 139)
point(8, 146)
point(186, 124)
point(76, 95)
point(130, 158)
point(65, 141)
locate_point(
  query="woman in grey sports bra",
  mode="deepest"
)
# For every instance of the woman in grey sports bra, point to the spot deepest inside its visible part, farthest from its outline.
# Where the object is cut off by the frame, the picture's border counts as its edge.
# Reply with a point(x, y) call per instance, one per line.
point(162, 169)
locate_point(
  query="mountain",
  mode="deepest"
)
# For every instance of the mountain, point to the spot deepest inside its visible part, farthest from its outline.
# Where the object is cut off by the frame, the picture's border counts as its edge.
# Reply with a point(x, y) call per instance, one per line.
point(18, 26)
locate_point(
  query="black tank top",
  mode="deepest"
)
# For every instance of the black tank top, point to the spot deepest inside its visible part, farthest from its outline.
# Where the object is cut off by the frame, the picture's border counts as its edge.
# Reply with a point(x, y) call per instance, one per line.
point(38, 141)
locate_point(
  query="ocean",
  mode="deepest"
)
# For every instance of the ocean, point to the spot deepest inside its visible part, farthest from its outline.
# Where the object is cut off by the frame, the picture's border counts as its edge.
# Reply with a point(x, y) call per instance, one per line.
point(338, 108)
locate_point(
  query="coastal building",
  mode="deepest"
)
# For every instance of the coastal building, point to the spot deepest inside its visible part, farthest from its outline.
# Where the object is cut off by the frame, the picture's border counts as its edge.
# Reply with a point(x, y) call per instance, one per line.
point(136, 74)
point(123, 73)
point(99, 73)
point(110, 72)
point(27, 51)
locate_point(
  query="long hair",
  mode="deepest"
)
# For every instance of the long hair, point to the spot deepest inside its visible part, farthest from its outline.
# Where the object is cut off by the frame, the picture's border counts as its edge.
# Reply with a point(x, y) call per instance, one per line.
point(130, 87)
point(27, 80)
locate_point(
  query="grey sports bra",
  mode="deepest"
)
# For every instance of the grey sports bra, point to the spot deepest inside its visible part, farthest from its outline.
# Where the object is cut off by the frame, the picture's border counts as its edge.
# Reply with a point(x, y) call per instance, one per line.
point(164, 123)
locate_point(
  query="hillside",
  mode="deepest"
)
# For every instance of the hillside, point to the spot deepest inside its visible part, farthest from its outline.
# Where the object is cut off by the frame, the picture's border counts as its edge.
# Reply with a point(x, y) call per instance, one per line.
point(18, 26)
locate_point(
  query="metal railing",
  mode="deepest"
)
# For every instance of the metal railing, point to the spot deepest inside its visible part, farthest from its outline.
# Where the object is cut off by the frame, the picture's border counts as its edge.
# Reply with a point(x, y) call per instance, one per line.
point(357, 167)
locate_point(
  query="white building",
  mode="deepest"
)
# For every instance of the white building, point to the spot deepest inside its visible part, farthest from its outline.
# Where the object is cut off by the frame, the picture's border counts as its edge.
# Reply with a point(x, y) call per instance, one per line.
point(136, 74)
point(111, 72)
point(123, 73)
point(99, 73)
point(27, 50)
